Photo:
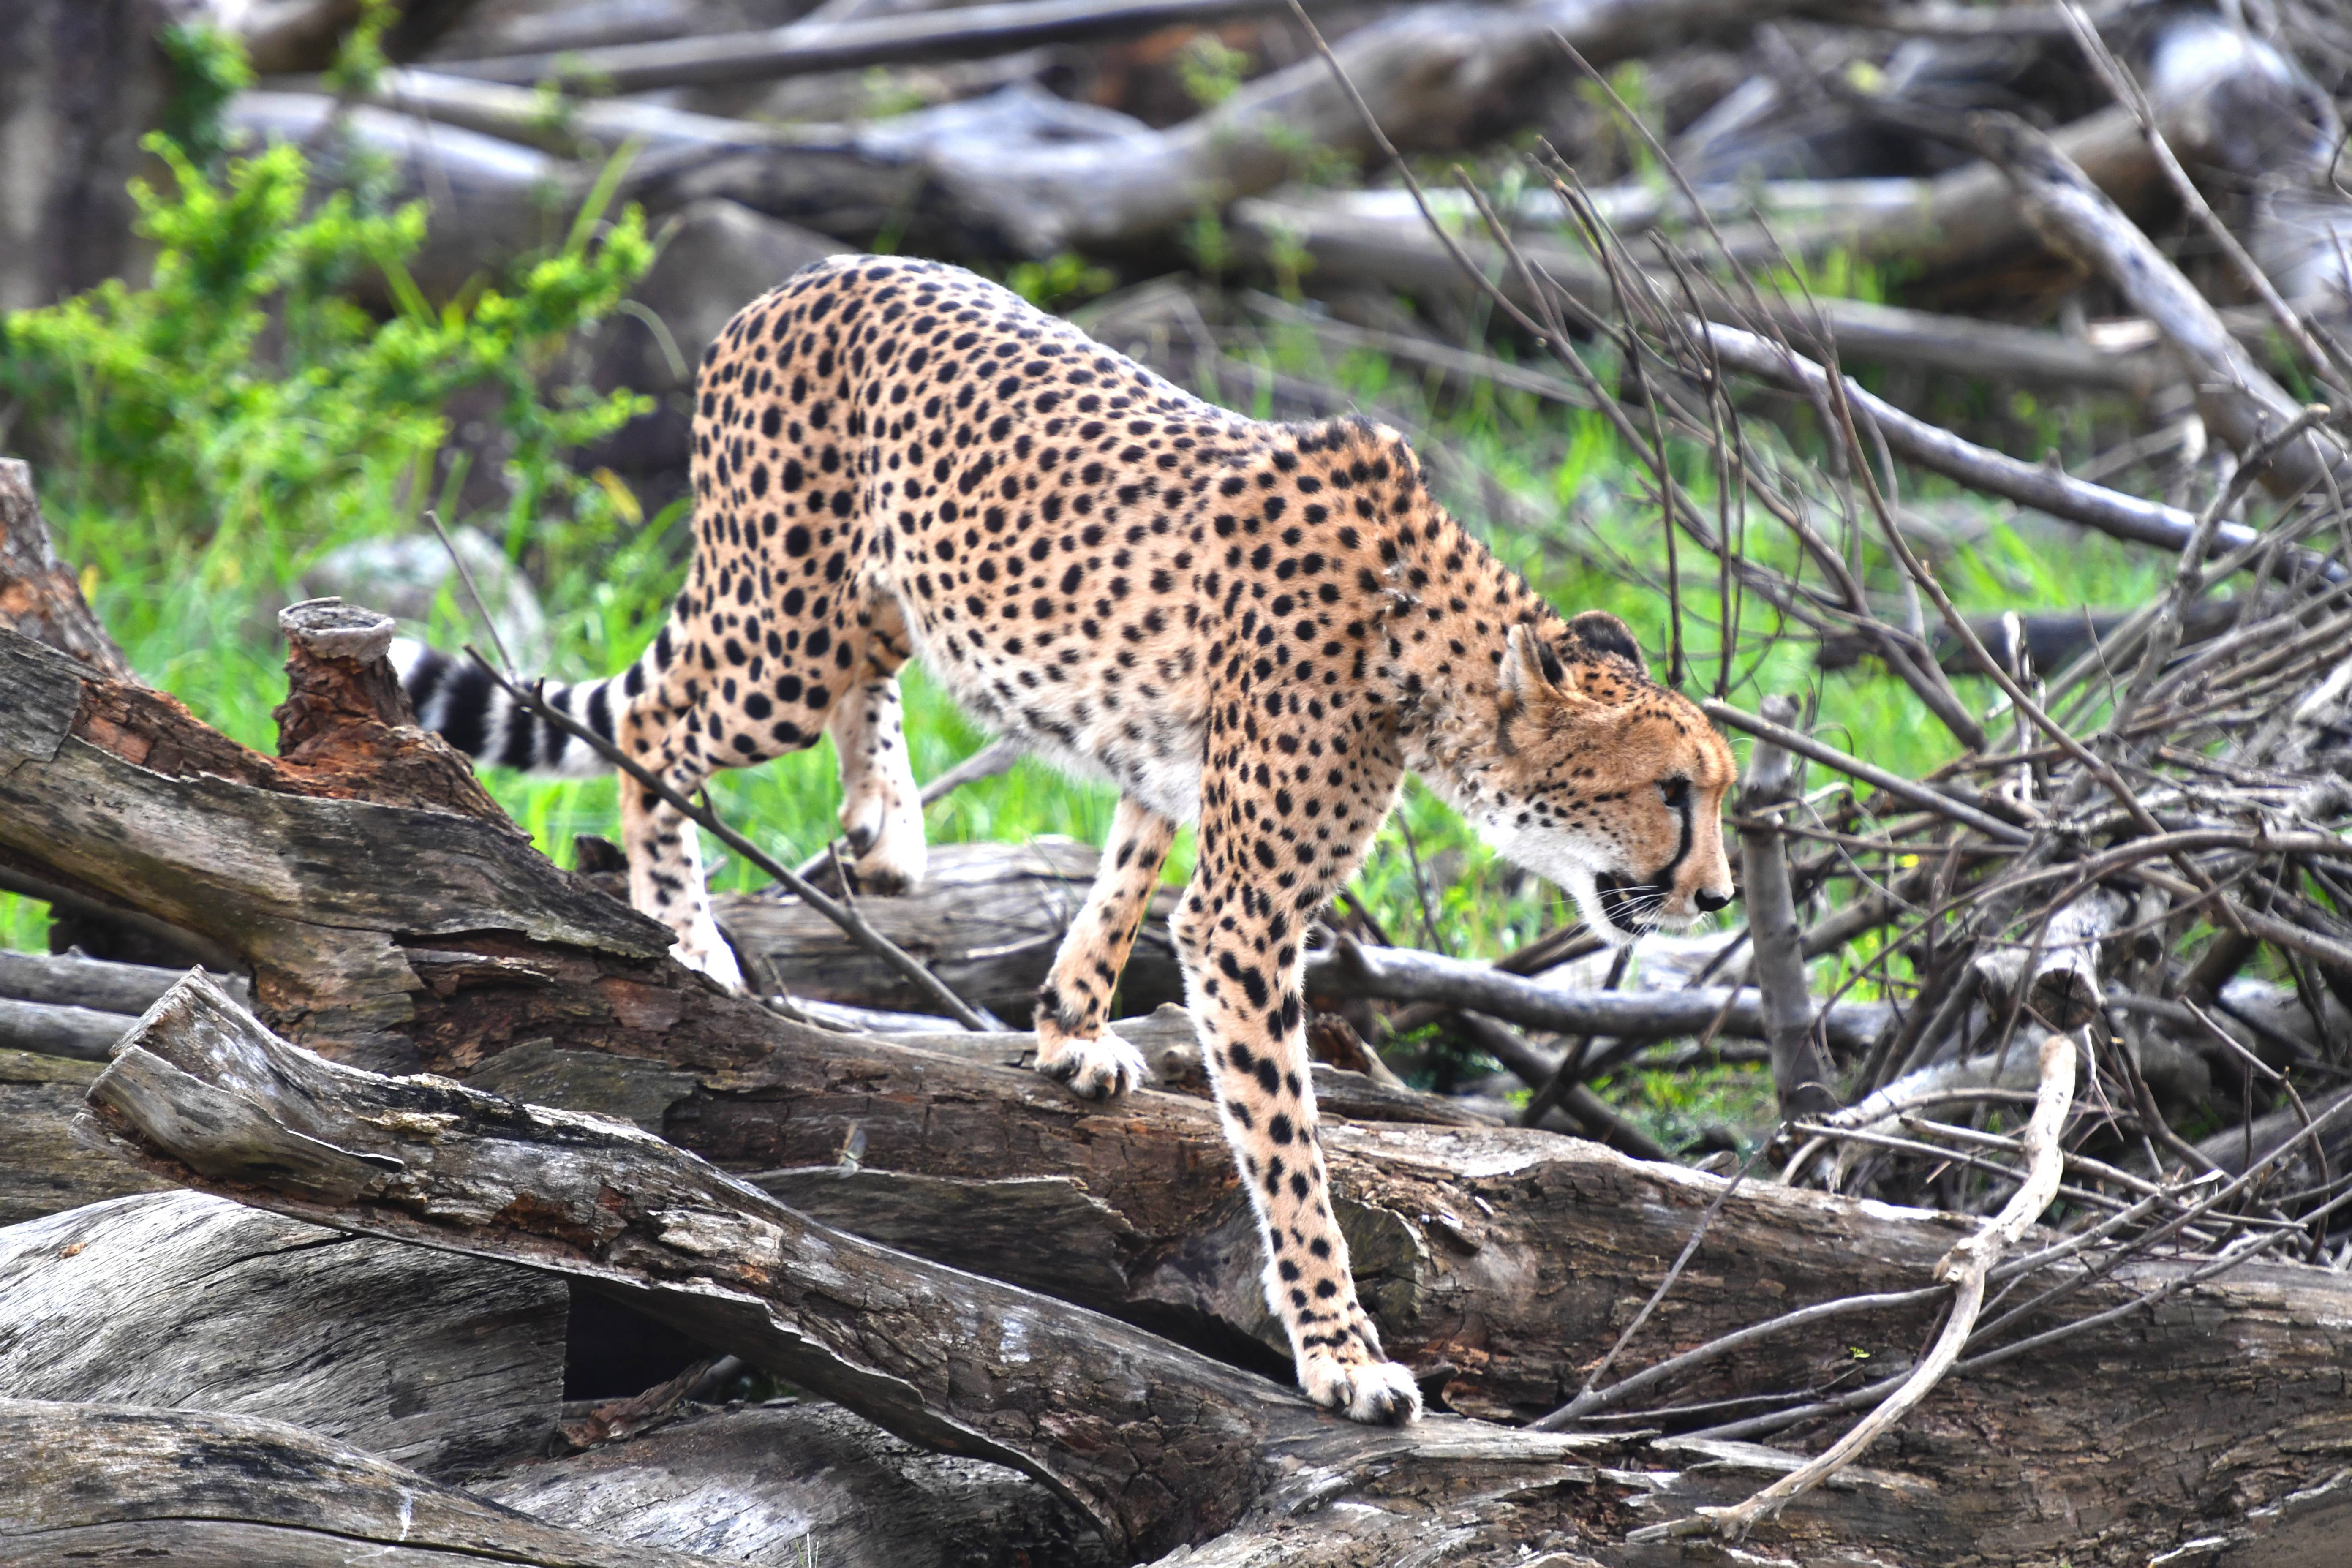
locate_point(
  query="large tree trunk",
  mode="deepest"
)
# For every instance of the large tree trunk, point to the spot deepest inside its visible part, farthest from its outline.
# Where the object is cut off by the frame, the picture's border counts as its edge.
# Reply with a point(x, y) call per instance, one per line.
point(80, 82)
point(2047, 1453)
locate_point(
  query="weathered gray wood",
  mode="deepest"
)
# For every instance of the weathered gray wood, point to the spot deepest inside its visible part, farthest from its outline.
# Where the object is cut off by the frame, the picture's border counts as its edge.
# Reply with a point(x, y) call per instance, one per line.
point(62, 979)
point(808, 46)
point(2238, 398)
point(987, 918)
point(1156, 1445)
point(101, 1484)
point(785, 1483)
point(42, 1169)
point(82, 1033)
point(1803, 1081)
point(1410, 974)
point(448, 1365)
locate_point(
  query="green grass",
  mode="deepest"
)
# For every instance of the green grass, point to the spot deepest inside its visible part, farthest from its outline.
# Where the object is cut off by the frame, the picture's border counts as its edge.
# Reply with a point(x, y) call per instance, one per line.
point(201, 631)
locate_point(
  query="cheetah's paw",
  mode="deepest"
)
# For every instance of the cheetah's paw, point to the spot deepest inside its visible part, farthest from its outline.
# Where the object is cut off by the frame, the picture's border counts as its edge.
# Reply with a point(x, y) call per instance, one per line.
point(885, 831)
point(1094, 1069)
point(1378, 1392)
point(706, 952)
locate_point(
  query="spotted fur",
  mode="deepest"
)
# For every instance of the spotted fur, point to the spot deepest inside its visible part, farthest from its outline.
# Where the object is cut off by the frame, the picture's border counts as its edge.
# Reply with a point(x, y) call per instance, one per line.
point(1259, 627)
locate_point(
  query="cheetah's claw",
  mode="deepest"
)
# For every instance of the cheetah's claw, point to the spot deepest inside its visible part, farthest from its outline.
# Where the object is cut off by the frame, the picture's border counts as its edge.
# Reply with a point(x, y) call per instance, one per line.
point(1379, 1394)
point(1098, 1069)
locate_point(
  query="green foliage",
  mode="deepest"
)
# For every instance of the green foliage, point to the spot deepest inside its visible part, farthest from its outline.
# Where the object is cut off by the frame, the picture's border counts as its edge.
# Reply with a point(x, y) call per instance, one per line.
point(208, 69)
point(360, 61)
point(1059, 281)
point(248, 411)
point(1211, 69)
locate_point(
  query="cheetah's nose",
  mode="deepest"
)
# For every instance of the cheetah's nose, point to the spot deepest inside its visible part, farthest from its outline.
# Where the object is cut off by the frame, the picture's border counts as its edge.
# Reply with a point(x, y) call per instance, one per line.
point(1708, 901)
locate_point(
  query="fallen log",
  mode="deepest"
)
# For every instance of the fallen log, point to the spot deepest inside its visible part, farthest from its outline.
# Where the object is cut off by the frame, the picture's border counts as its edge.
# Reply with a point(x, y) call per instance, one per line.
point(112, 1483)
point(448, 1365)
point(806, 47)
point(987, 919)
point(1156, 1446)
point(2253, 1354)
point(64, 980)
point(83, 1034)
point(793, 1481)
point(42, 1169)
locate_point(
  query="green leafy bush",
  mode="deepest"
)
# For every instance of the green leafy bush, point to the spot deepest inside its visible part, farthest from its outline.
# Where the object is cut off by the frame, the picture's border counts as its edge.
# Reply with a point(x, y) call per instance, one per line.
point(248, 412)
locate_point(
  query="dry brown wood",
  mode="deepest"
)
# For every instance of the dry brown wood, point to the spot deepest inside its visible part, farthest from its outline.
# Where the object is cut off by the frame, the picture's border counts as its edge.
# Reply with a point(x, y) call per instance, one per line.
point(39, 596)
point(448, 1365)
point(1969, 1465)
point(98, 1483)
point(114, 790)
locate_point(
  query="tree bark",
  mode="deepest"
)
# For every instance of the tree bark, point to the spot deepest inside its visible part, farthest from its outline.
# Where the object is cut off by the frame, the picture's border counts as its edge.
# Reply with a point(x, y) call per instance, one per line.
point(100, 1483)
point(80, 82)
point(1159, 1447)
point(447, 1366)
point(781, 1483)
point(2248, 1364)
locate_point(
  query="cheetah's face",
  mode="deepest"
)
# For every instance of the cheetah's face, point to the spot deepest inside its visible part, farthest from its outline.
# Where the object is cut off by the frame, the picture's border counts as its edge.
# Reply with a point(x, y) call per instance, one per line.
point(1606, 784)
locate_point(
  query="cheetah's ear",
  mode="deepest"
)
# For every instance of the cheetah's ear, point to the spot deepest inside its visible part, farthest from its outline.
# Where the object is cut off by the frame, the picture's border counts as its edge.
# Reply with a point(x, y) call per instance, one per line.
point(1531, 672)
point(1604, 634)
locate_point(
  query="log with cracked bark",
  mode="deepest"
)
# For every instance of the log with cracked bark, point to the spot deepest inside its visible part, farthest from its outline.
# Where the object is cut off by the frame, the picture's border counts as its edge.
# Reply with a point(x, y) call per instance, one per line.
point(111, 1483)
point(1512, 1257)
point(1159, 1447)
point(447, 1366)
point(205, 1092)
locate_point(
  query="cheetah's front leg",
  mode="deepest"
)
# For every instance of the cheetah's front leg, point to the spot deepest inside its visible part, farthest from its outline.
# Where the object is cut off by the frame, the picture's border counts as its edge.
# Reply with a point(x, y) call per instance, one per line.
point(1240, 933)
point(1073, 1004)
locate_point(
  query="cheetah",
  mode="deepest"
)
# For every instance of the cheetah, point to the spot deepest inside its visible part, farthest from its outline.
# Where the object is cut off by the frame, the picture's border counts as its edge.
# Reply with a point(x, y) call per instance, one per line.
point(1258, 627)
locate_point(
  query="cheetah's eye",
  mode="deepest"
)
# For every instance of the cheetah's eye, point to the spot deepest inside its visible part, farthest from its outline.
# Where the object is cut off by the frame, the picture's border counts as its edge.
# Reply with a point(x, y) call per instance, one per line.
point(1675, 793)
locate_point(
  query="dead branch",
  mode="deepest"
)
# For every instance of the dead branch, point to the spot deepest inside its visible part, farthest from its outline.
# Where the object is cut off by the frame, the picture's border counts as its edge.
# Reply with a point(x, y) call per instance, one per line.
point(2240, 400)
point(1409, 974)
point(1802, 1079)
point(805, 48)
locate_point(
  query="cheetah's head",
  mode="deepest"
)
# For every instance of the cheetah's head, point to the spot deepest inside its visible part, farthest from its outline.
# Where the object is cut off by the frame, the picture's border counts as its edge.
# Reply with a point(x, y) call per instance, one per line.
point(1606, 784)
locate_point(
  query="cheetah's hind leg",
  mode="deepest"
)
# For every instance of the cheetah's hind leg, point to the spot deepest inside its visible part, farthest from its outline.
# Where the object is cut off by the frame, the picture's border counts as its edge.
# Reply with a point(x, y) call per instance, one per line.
point(881, 808)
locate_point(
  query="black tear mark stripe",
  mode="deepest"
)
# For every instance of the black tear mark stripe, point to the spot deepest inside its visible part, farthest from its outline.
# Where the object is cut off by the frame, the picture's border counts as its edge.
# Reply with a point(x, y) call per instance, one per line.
point(1664, 881)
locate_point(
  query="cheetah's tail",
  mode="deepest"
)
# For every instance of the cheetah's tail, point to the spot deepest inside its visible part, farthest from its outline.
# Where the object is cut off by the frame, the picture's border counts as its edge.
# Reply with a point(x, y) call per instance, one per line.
point(457, 698)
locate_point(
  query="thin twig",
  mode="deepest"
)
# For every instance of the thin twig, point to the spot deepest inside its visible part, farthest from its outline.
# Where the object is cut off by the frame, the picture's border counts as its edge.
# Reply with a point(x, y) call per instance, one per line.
point(1966, 1266)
